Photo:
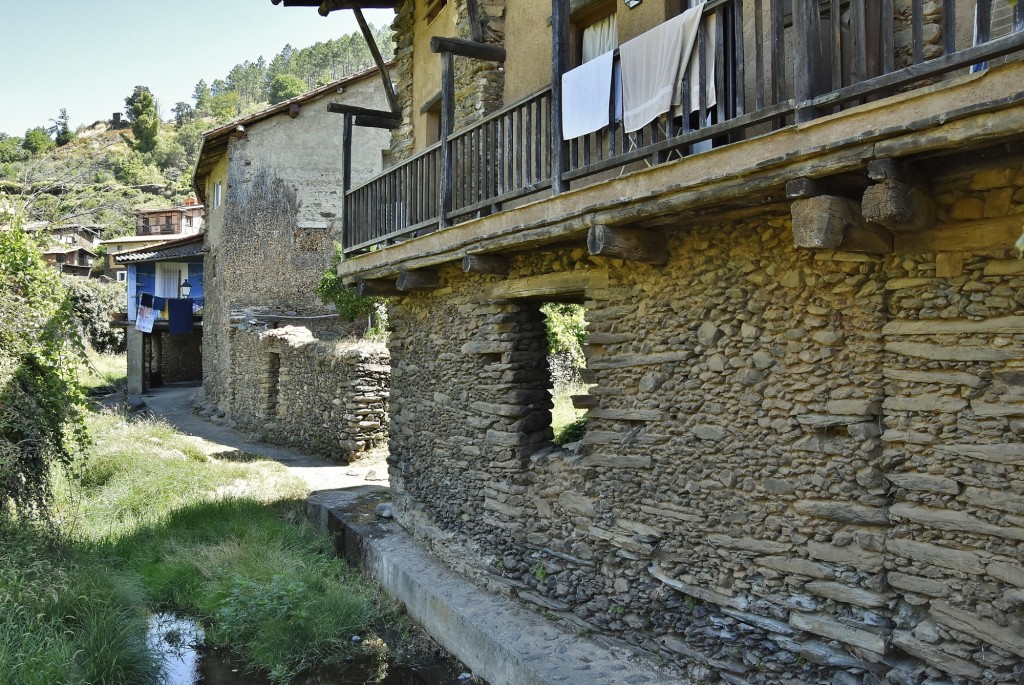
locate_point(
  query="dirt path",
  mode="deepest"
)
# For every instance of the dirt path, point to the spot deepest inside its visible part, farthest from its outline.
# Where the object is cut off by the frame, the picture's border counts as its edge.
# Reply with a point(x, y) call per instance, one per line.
point(172, 403)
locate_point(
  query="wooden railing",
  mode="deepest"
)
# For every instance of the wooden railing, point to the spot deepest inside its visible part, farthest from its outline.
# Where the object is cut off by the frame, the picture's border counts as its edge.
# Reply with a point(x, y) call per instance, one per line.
point(841, 53)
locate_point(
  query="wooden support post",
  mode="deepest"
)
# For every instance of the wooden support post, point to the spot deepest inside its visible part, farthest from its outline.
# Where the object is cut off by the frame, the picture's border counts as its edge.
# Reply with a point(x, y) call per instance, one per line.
point(389, 87)
point(485, 264)
point(476, 29)
point(806, 32)
point(377, 287)
point(634, 244)
point(899, 200)
point(422, 279)
point(468, 48)
point(447, 127)
point(346, 176)
point(559, 63)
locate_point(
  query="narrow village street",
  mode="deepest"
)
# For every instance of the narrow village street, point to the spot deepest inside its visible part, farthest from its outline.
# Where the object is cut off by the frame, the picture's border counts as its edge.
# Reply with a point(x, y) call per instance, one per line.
point(173, 404)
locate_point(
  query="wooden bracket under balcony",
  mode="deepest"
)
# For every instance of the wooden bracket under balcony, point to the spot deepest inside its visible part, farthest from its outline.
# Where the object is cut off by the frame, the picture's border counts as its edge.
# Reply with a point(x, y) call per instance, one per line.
point(899, 199)
point(843, 185)
point(468, 48)
point(829, 222)
point(377, 287)
point(633, 244)
point(422, 279)
point(486, 264)
point(339, 108)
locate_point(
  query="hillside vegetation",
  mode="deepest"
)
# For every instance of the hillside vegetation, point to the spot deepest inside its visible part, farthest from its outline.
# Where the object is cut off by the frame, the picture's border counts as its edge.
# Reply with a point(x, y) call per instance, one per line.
point(99, 174)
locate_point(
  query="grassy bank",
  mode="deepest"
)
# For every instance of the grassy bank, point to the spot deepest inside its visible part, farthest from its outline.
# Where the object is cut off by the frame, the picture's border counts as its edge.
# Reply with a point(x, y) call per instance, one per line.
point(147, 521)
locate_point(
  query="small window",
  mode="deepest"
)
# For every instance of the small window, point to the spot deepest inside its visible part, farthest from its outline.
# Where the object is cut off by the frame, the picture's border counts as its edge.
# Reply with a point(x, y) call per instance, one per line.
point(594, 31)
point(217, 190)
point(122, 275)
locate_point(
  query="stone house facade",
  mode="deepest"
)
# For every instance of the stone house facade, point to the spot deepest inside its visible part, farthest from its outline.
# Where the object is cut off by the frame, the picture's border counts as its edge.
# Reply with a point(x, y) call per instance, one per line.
point(272, 187)
point(803, 461)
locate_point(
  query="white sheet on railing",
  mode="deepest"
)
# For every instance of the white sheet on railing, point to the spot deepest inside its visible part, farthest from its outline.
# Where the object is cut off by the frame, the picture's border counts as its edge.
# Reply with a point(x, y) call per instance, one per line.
point(586, 96)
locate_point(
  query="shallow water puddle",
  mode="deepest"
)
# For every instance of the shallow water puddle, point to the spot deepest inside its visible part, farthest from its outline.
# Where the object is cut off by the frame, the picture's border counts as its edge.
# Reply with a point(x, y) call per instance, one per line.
point(187, 662)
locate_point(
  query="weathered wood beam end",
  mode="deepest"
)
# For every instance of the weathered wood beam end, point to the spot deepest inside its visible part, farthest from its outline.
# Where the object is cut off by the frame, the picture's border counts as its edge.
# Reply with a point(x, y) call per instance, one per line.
point(584, 401)
point(468, 48)
point(803, 188)
point(822, 222)
point(376, 122)
point(377, 287)
point(486, 264)
point(340, 108)
point(899, 207)
point(420, 280)
point(632, 244)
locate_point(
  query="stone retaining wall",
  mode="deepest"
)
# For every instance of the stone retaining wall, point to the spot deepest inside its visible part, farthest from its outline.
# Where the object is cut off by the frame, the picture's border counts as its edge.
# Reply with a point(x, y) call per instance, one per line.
point(802, 467)
point(324, 396)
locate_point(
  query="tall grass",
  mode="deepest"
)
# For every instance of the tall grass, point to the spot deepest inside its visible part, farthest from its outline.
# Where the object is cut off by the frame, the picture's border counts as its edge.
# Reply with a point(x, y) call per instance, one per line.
point(104, 371)
point(145, 522)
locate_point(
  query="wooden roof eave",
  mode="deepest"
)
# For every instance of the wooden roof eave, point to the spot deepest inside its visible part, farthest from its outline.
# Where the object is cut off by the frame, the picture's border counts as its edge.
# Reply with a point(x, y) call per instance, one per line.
point(325, 7)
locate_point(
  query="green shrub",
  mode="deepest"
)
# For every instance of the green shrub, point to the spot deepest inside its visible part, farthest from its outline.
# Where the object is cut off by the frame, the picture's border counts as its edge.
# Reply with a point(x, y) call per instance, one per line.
point(93, 301)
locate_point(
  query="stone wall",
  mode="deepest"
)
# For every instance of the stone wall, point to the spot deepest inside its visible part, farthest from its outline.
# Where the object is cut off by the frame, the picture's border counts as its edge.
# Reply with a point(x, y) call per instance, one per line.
point(801, 467)
point(270, 243)
point(181, 357)
point(327, 397)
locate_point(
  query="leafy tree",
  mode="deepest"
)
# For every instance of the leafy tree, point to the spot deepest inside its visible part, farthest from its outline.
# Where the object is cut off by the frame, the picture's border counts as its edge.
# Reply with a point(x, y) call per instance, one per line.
point(183, 114)
point(145, 121)
point(37, 141)
point(285, 87)
point(225, 105)
point(11, 149)
point(41, 405)
point(61, 128)
point(201, 94)
point(566, 332)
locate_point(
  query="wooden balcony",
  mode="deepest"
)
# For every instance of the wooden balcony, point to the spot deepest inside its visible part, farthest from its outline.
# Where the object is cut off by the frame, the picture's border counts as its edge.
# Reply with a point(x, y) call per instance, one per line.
point(172, 228)
point(777, 64)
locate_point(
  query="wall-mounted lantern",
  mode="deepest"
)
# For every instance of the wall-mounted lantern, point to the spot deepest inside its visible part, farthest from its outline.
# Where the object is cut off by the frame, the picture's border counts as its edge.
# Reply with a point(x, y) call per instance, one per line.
point(186, 288)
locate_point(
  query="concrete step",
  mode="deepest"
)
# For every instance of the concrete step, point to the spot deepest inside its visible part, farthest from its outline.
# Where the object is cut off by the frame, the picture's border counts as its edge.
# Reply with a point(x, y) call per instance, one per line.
point(499, 640)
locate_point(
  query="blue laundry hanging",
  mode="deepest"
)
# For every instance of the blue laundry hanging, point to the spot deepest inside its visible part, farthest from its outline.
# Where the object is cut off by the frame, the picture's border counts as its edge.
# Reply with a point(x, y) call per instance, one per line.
point(179, 316)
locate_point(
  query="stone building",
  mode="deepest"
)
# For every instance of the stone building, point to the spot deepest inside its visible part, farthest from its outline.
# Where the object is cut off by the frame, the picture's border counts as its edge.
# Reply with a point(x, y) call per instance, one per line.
point(272, 184)
point(804, 458)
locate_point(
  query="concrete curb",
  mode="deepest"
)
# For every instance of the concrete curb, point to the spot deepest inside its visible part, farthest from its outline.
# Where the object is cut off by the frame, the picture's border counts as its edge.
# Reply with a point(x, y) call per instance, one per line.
point(499, 640)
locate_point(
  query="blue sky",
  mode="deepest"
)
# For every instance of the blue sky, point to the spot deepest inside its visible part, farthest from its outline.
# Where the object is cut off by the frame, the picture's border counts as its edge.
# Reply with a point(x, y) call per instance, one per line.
point(88, 56)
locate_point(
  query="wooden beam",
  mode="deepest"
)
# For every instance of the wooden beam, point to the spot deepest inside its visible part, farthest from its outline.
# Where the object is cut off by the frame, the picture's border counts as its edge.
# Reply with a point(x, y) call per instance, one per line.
point(821, 222)
point(900, 207)
point(843, 185)
point(486, 264)
point(377, 287)
point(377, 122)
point(468, 48)
point(556, 284)
point(389, 87)
point(803, 188)
point(447, 180)
point(966, 236)
point(633, 244)
point(422, 279)
point(339, 108)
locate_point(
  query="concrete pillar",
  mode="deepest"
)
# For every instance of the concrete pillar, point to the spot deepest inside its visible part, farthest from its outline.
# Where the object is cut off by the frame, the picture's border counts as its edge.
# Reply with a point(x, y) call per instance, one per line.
point(135, 345)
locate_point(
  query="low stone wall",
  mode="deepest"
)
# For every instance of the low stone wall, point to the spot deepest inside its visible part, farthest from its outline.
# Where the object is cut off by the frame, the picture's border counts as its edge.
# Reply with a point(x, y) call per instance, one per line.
point(182, 357)
point(801, 467)
point(327, 397)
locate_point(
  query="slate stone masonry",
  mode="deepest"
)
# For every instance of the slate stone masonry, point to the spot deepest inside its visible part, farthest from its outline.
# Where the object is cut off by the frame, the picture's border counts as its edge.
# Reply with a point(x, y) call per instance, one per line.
point(802, 466)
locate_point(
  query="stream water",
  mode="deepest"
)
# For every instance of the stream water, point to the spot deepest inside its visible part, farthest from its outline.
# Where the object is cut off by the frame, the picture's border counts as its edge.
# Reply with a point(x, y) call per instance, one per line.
point(188, 662)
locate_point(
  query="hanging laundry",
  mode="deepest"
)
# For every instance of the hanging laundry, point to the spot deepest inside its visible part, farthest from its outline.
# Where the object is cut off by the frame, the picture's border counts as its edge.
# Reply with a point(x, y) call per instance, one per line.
point(710, 54)
point(144, 319)
point(586, 97)
point(179, 316)
point(146, 300)
point(652, 68)
point(160, 305)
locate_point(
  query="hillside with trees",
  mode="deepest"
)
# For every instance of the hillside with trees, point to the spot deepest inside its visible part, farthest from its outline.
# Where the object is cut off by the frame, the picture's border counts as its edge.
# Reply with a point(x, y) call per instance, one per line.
point(100, 173)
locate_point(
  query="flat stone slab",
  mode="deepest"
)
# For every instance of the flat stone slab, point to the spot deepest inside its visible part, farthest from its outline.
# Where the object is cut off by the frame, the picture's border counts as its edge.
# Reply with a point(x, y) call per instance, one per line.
point(499, 640)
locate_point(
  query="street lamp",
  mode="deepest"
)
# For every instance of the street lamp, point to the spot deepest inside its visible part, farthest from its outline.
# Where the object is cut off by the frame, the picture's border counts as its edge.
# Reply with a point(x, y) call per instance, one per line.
point(186, 288)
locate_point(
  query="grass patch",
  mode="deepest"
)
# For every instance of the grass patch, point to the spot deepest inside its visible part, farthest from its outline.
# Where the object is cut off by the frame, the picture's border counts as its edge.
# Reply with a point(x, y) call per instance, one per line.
point(104, 371)
point(568, 423)
point(145, 522)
